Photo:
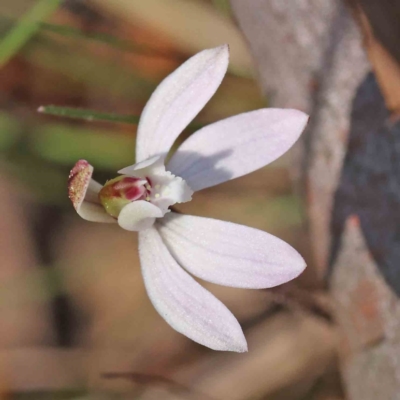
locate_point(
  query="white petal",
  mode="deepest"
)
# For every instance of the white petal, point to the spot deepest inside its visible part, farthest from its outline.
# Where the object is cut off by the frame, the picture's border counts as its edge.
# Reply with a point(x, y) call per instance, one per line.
point(83, 192)
point(236, 146)
point(138, 215)
point(182, 302)
point(229, 254)
point(178, 99)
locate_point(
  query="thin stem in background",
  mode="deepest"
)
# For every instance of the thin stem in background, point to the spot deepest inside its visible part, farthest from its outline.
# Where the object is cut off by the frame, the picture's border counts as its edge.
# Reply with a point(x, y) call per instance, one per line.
point(88, 115)
point(25, 29)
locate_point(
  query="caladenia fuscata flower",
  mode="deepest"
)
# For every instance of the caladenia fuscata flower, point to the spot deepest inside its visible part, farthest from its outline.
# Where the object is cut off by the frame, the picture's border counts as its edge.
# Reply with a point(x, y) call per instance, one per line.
point(173, 246)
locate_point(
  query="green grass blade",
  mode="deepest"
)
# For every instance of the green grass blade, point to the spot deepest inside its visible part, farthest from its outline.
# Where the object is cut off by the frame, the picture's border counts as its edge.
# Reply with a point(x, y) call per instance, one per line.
point(92, 115)
point(27, 27)
point(88, 115)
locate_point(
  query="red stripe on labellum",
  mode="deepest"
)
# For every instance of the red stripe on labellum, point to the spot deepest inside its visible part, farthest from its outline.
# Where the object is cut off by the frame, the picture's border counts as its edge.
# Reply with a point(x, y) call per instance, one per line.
point(130, 188)
point(120, 191)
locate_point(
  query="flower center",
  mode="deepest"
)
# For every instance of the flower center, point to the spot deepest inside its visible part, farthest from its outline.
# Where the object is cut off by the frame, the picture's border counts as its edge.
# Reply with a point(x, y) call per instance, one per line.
point(120, 191)
point(148, 181)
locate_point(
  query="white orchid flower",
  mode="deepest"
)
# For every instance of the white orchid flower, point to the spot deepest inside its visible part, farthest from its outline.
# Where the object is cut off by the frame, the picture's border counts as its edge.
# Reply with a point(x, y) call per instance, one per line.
point(171, 244)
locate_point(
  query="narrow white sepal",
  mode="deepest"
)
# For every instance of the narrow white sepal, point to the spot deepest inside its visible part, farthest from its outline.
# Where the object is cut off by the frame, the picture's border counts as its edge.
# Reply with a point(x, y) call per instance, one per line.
point(229, 254)
point(94, 212)
point(236, 146)
point(182, 302)
point(138, 215)
point(178, 99)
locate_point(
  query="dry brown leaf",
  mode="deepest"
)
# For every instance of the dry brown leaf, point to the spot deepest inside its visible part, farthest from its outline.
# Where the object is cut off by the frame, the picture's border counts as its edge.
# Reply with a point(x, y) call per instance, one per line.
point(386, 68)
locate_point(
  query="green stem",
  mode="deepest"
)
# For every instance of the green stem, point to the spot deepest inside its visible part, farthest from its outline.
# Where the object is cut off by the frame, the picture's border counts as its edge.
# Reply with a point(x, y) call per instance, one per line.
point(27, 27)
point(88, 115)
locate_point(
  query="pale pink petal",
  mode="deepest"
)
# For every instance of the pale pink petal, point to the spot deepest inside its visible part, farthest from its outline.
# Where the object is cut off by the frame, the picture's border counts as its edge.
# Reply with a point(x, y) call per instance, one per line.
point(182, 302)
point(138, 215)
point(178, 99)
point(229, 254)
point(236, 146)
point(83, 192)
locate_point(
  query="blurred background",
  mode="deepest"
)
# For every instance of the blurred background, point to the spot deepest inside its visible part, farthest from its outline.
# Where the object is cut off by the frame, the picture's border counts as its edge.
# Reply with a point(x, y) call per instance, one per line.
point(75, 320)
